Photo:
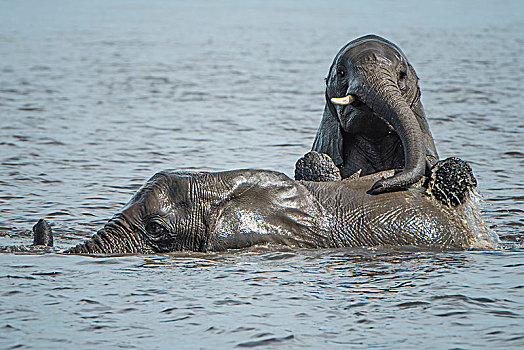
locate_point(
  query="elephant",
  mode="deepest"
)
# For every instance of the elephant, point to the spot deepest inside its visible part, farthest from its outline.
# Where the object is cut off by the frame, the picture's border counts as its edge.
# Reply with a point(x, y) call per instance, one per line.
point(176, 211)
point(373, 119)
point(372, 179)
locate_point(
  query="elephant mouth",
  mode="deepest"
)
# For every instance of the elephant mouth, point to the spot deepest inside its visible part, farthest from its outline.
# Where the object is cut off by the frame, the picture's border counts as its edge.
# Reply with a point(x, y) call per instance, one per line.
point(356, 117)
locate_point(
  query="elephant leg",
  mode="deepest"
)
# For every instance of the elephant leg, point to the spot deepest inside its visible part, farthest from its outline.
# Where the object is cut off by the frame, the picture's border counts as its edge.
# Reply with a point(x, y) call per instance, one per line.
point(315, 166)
point(451, 181)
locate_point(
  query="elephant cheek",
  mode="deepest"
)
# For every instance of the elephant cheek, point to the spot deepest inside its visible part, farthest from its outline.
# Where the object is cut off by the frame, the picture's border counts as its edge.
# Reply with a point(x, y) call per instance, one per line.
point(161, 245)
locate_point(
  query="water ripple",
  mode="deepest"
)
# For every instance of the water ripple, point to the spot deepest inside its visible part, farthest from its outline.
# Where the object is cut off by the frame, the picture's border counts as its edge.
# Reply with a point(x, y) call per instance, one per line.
point(101, 97)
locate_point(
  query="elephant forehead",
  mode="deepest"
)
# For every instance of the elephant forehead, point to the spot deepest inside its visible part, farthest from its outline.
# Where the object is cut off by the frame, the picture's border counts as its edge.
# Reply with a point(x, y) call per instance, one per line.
point(372, 52)
point(153, 196)
point(371, 48)
point(162, 199)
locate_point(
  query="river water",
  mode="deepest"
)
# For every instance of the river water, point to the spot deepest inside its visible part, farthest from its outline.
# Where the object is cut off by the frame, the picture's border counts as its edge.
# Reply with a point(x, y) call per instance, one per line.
point(97, 96)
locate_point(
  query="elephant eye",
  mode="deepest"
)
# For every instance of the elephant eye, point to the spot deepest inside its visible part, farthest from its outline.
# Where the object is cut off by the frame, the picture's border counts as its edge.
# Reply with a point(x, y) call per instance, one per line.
point(341, 73)
point(402, 74)
point(155, 229)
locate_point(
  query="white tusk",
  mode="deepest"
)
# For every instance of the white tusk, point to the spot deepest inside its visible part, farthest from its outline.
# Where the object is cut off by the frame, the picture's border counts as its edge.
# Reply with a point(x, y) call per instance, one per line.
point(343, 100)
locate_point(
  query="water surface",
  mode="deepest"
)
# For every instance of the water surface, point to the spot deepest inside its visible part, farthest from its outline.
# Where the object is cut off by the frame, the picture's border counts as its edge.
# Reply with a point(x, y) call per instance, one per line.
point(96, 97)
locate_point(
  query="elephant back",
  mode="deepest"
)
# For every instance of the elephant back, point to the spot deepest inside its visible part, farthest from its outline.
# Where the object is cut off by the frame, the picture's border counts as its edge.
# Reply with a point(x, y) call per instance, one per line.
point(408, 217)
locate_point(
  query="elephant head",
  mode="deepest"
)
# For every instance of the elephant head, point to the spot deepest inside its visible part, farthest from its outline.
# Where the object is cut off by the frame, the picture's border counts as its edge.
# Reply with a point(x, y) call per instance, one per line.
point(373, 119)
point(177, 211)
point(148, 223)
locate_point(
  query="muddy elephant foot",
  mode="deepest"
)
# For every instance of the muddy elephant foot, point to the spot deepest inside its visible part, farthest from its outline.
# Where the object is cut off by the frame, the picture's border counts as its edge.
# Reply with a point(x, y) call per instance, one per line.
point(451, 181)
point(315, 166)
point(42, 233)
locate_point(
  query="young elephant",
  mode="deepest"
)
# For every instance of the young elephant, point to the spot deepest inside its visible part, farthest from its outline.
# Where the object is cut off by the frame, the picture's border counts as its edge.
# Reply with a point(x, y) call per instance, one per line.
point(373, 119)
point(177, 211)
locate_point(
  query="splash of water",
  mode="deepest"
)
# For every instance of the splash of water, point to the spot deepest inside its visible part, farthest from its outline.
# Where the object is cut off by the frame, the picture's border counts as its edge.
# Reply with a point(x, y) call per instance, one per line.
point(482, 236)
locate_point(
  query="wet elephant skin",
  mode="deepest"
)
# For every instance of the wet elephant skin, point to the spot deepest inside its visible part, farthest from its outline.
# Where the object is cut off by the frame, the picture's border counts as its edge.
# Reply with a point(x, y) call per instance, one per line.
point(235, 209)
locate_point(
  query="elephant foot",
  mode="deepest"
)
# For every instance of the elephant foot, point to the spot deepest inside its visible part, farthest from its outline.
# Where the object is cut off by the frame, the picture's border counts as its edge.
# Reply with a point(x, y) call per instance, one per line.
point(42, 233)
point(451, 181)
point(318, 167)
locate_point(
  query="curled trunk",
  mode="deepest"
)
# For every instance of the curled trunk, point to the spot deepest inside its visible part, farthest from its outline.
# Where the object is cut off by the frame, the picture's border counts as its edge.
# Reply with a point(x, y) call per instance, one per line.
point(384, 98)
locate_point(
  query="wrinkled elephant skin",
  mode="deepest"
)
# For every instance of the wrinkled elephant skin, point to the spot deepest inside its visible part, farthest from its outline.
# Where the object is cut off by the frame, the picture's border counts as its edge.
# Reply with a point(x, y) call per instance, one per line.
point(373, 119)
point(375, 180)
point(177, 211)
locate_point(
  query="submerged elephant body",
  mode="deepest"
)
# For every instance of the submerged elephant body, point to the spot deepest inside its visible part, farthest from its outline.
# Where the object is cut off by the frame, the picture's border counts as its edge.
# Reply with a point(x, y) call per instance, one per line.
point(177, 211)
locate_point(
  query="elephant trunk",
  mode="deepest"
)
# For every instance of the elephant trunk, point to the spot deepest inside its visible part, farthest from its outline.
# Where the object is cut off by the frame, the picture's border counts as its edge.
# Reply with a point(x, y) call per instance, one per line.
point(117, 237)
point(382, 95)
point(92, 246)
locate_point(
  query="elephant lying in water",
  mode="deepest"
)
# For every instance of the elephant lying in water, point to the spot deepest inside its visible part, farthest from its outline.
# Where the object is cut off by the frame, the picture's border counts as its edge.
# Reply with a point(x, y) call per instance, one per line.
point(373, 123)
point(177, 211)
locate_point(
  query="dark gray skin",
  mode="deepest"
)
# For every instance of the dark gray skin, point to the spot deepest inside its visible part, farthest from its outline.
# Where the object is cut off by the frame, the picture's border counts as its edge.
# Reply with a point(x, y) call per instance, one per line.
point(177, 211)
point(43, 235)
point(384, 127)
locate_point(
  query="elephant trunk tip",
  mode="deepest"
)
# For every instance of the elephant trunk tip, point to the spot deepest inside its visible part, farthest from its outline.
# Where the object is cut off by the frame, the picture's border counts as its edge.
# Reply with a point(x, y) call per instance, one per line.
point(42, 233)
point(401, 180)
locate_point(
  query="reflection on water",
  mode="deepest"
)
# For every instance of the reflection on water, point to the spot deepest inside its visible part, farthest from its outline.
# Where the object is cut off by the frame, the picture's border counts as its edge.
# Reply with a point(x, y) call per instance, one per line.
point(97, 97)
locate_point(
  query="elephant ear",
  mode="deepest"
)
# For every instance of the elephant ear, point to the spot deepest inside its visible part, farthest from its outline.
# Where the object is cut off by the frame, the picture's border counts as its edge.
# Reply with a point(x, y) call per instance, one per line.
point(329, 136)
